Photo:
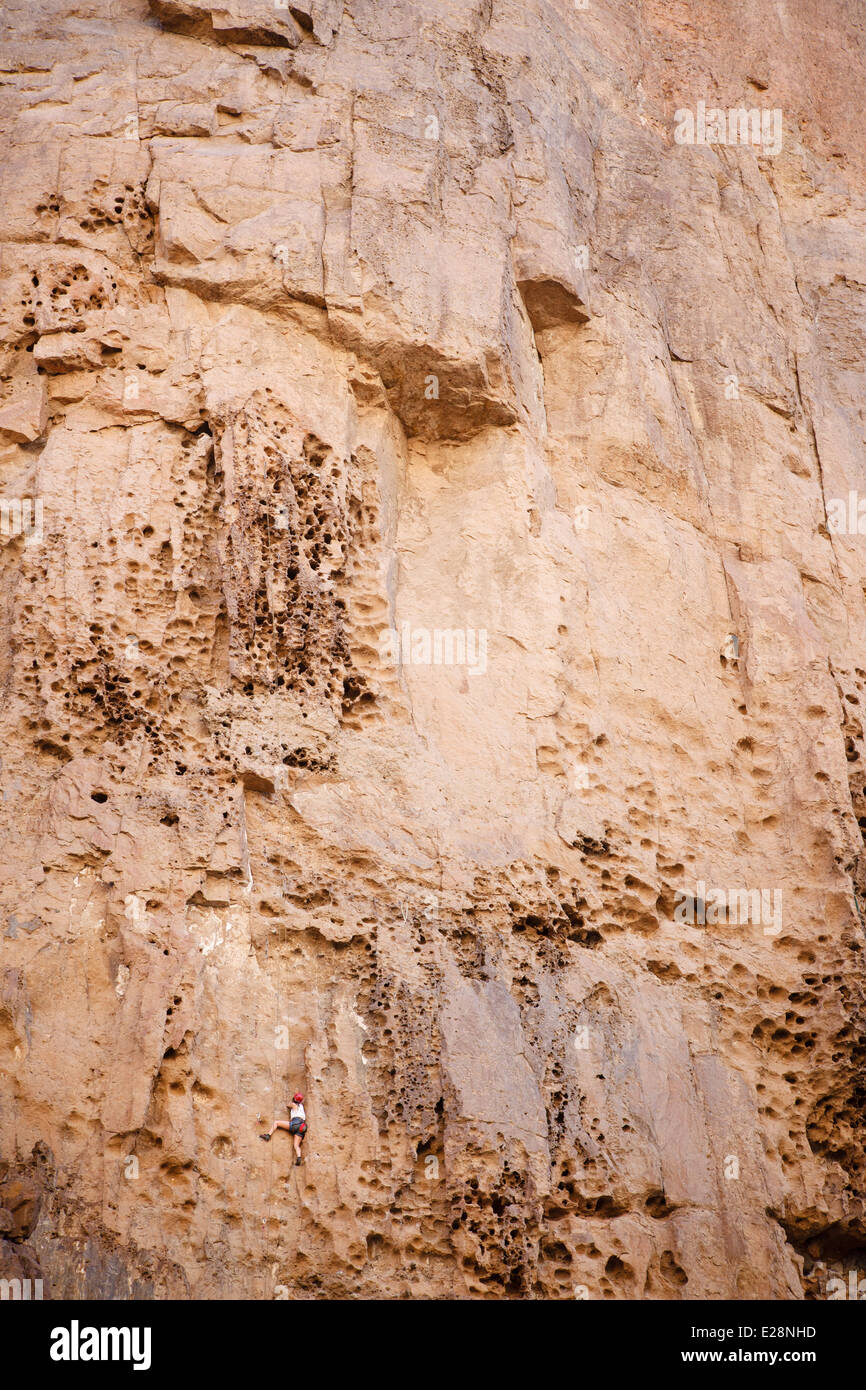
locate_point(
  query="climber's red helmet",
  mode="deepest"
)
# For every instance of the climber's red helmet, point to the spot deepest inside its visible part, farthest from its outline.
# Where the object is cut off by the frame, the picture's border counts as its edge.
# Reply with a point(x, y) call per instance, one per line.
point(297, 1097)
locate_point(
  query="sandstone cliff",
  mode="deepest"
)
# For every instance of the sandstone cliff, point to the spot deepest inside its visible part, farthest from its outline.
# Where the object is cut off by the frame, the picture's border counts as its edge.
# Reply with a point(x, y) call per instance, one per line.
point(424, 613)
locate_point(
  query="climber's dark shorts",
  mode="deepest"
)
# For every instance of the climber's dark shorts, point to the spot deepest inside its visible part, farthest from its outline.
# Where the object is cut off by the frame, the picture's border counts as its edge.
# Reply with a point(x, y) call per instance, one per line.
point(298, 1127)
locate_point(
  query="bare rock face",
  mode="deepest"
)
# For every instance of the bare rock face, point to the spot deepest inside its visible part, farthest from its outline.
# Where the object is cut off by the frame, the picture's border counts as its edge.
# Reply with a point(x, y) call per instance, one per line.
point(432, 607)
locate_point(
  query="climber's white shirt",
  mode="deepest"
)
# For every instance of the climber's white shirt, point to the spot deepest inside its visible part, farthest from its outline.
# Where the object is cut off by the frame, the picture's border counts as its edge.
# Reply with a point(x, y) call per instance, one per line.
point(297, 1113)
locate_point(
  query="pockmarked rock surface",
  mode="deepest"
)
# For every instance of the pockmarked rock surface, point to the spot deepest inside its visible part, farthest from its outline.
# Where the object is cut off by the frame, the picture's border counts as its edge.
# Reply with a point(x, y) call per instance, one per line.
point(432, 647)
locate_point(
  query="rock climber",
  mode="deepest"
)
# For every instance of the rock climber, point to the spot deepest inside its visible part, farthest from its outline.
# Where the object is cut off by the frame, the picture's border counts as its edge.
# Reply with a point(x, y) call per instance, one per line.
point(296, 1124)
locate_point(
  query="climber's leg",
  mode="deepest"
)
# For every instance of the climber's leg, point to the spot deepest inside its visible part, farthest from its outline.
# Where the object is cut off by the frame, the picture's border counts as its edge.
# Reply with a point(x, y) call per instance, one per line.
point(278, 1124)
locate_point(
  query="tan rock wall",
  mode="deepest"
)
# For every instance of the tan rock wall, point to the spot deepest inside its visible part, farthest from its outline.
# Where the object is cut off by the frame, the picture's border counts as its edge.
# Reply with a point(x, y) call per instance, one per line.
point(332, 321)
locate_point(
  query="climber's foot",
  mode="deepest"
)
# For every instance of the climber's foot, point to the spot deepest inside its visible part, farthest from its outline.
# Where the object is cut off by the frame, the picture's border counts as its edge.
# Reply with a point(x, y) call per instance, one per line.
point(266, 1137)
point(298, 1162)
